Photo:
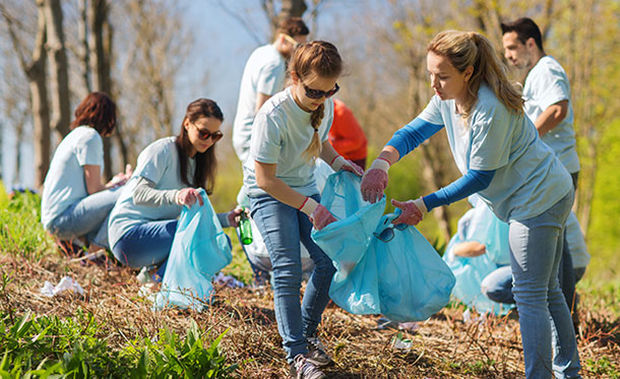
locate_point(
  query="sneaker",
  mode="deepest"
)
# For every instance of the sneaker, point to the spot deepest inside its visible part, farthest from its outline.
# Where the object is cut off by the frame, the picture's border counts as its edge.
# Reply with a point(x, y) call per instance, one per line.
point(316, 353)
point(303, 368)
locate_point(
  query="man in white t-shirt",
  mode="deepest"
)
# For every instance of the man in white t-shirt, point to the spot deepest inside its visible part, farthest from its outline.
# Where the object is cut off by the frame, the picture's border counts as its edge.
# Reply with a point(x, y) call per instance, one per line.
point(263, 76)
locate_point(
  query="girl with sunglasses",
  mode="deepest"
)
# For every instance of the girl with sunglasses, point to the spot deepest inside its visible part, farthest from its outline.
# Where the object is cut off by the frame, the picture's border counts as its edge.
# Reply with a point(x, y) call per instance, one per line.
point(167, 177)
point(497, 148)
point(288, 134)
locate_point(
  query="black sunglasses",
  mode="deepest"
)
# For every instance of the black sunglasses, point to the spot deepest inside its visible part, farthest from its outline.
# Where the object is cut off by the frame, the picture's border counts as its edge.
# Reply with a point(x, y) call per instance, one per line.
point(317, 93)
point(205, 134)
point(388, 233)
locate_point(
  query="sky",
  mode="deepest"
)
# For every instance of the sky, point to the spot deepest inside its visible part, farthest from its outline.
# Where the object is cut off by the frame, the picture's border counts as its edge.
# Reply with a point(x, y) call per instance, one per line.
point(222, 46)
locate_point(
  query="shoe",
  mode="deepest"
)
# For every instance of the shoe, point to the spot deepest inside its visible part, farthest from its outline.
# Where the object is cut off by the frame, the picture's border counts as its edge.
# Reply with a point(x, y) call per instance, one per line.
point(303, 368)
point(316, 353)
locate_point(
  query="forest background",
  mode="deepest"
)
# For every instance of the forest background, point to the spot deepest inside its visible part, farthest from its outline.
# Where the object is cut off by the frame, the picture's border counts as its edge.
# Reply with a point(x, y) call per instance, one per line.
point(155, 56)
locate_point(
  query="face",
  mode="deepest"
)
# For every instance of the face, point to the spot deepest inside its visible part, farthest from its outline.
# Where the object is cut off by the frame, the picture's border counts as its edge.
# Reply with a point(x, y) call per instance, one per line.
point(446, 80)
point(518, 54)
point(311, 85)
point(208, 127)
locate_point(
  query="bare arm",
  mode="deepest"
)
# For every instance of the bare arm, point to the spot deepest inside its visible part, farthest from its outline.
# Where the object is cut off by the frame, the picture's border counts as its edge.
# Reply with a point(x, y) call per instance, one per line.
point(551, 117)
point(469, 249)
point(390, 154)
point(92, 176)
point(266, 179)
point(328, 153)
point(260, 100)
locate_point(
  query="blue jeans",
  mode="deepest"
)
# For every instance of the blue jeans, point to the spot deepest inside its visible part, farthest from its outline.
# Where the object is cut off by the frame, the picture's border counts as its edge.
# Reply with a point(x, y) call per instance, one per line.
point(87, 217)
point(544, 317)
point(283, 228)
point(146, 244)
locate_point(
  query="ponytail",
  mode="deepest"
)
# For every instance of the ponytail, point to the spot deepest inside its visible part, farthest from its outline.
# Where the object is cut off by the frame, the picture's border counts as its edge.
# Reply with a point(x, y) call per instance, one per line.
point(314, 149)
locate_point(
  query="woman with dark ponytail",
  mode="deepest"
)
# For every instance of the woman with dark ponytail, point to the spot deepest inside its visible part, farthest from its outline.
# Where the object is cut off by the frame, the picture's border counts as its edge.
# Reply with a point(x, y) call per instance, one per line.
point(288, 134)
point(168, 175)
point(498, 151)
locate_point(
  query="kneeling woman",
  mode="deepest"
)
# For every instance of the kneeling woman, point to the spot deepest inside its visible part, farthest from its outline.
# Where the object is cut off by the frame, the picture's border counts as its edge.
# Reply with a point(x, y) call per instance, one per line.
point(168, 175)
point(75, 203)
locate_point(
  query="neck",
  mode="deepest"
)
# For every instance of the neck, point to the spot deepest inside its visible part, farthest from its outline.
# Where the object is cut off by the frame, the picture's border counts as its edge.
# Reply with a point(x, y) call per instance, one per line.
point(536, 56)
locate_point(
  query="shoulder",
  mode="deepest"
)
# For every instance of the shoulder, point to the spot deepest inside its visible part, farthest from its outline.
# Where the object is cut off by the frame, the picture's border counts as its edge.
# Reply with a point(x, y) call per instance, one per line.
point(275, 106)
point(162, 146)
point(546, 66)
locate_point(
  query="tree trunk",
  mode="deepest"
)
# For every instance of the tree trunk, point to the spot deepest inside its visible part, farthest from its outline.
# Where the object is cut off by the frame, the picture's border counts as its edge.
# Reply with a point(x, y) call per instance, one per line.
point(59, 73)
point(83, 37)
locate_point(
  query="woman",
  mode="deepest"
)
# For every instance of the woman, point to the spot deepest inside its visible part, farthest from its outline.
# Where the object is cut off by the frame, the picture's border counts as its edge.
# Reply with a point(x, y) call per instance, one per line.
point(497, 149)
point(75, 203)
point(167, 177)
point(288, 134)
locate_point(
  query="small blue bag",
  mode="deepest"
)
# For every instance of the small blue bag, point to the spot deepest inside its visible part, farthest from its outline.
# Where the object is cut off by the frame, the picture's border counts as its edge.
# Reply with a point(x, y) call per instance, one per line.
point(200, 249)
point(402, 277)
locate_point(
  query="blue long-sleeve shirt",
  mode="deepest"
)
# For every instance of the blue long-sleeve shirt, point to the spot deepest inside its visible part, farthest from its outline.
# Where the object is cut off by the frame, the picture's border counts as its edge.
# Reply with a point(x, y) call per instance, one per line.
point(411, 136)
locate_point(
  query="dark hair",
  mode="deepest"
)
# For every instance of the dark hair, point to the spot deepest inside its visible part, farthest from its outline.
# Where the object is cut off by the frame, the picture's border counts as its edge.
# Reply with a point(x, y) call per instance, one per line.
point(204, 174)
point(98, 111)
point(293, 26)
point(525, 28)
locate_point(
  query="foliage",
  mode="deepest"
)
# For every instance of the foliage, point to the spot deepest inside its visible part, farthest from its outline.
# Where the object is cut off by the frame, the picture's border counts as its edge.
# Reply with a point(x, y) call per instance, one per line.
point(73, 347)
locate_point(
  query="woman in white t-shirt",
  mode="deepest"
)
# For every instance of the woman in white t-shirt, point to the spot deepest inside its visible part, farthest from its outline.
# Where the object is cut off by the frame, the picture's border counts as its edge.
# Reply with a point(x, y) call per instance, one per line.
point(288, 134)
point(498, 151)
point(168, 175)
point(75, 203)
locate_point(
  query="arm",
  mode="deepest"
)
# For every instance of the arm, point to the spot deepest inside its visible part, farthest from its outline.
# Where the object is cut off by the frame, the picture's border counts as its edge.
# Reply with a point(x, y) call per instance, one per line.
point(336, 161)
point(551, 117)
point(469, 249)
point(473, 181)
point(266, 179)
point(261, 98)
point(412, 135)
point(145, 194)
point(92, 176)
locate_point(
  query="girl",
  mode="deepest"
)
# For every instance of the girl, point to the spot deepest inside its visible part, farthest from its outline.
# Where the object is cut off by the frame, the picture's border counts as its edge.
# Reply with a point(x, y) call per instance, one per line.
point(75, 203)
point(497, 149)
point(289, 132)
point(144, 220)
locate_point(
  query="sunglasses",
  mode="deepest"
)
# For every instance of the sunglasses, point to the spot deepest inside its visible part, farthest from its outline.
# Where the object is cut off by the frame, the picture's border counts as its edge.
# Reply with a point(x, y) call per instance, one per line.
point(388, 233)
point(315, 94)
point(205, 134)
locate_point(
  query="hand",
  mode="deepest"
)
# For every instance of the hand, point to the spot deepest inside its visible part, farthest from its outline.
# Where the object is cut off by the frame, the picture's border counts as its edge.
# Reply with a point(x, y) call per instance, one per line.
point(375, 180)
point(121, 178)
point(233, 217)
point(188, 196)
point(340, 163)
point(321, 217)
point(411, 213)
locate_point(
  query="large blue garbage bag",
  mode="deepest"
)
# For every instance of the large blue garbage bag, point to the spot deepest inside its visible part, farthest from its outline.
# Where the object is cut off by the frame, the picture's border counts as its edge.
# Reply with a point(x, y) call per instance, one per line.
point(481, 225)
point(401, 276)
point(199, 249)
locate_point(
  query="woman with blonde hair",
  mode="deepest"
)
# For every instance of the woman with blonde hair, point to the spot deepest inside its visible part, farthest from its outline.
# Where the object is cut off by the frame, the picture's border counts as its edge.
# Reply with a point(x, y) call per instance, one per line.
point(288, 134)
point(498, 151)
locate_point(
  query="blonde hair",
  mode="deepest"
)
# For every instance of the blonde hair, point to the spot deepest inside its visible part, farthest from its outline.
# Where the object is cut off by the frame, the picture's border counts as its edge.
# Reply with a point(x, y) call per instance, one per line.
point(465, 49)
point(322, 59)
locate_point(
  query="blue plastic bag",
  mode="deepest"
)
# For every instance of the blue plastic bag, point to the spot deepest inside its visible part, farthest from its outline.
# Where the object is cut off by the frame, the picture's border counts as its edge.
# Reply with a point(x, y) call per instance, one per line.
point(200, 249)
point(481, 225)
point(403, 277)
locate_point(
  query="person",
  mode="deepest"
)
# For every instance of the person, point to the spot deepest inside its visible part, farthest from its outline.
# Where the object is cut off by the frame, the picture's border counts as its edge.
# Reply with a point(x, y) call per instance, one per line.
point(75, 203)
point(263, 76)
point(546, 92)
point(502, 159)
point(167, 177)
point(288, 134)
point(347, 136)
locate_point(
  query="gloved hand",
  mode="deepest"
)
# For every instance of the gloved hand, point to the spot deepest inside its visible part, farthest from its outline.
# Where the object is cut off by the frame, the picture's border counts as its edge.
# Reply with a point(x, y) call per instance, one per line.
point(375, 180)
point(188, 196)
point(340, 163)
point(318, 214)
point(233, 217)
point(412, 211)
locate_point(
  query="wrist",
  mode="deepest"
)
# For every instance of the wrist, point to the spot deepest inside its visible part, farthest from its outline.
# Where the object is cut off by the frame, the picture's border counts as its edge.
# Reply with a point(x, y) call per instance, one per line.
point(308, 206)
point(380, 164)
point(177, 198)
point(419, 202)
point(337, 163)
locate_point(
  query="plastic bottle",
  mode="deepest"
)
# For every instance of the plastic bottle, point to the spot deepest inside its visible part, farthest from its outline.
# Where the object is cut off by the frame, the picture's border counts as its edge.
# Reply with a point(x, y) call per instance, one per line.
point(245, 228)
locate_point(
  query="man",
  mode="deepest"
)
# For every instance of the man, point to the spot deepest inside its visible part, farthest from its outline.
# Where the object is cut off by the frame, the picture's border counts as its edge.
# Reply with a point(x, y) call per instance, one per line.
point(263, 76)
point(546, 92)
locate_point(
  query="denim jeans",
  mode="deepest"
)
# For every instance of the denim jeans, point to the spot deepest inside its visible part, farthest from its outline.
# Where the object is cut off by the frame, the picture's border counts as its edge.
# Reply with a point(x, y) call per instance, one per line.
point(283, 228)
point(87, 217)
point(146, 244)
point(544, 317)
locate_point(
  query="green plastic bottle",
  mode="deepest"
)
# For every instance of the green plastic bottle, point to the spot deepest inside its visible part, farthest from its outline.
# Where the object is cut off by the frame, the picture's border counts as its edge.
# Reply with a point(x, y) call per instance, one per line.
point(245, 229)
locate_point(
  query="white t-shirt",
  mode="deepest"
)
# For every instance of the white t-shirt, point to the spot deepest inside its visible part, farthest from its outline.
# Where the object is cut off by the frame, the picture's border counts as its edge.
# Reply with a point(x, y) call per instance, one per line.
point(281, 133)
point(528, 178)
point(64, 183)
point(547, 84)
point(264, 73)
point(158, 163)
